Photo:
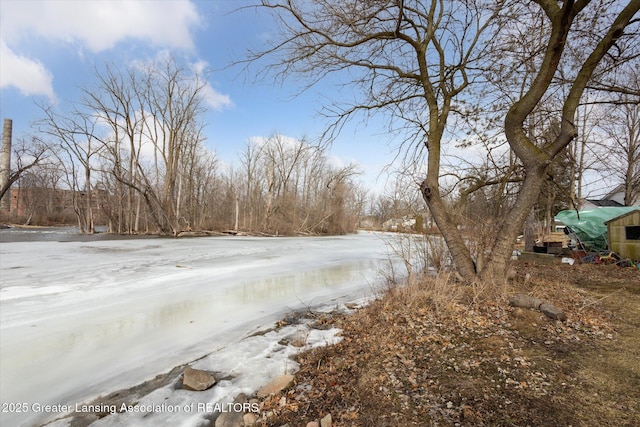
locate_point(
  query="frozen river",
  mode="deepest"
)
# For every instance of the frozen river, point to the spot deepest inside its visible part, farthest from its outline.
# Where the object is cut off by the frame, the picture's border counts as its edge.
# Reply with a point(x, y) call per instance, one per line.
point(81, 318)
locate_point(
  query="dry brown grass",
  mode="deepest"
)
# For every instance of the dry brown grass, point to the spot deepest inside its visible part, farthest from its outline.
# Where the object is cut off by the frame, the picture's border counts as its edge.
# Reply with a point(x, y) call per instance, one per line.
point(439, 293)
point(436, 353)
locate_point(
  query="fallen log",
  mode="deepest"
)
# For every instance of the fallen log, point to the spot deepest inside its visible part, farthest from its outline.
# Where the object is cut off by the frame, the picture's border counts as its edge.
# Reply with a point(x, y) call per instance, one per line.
point(527, 301)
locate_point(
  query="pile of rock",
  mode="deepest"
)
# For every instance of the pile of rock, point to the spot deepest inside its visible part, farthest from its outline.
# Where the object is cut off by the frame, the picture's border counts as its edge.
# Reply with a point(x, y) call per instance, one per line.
point(238, 419)
point(199, 380)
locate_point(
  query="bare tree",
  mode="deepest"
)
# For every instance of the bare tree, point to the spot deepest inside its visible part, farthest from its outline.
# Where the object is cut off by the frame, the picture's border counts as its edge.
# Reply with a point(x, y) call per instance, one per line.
point(76, 149)
point(587, 149)
point(252, 192)
point(153, 138)
point(138, 135)
point(622, 129)
point(288, 186)
point(26, 157)
point(42, 195)
point(418, 61)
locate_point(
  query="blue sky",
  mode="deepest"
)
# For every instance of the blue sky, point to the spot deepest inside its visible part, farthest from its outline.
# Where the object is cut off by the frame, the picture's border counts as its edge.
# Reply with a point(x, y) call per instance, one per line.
point(49, 49)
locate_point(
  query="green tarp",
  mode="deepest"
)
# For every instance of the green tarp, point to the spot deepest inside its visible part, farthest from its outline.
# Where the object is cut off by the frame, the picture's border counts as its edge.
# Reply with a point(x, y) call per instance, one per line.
point(590, 225)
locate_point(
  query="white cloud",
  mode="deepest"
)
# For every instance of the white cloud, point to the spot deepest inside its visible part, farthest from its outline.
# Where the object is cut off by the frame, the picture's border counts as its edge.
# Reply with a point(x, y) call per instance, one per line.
point(100, 24)
point(29, 76)
point(212, 97)
point(215, 99)
point(287, 142)
point(96, 25)
point(200, 67)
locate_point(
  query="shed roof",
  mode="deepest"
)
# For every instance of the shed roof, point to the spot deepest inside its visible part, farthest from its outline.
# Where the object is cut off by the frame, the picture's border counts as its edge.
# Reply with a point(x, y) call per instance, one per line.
point(604, 203)
point(623, 215)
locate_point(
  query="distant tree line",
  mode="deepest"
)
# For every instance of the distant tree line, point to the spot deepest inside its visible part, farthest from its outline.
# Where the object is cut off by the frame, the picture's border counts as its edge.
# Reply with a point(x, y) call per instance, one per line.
point(131, 155)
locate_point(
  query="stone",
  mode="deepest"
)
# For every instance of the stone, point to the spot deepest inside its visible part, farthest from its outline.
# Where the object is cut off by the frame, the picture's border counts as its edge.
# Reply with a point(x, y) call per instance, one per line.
point(197, 380)
point(277, 385)
point(326, 421)
point(553, 312)
point(234, 419)
point(312, 424)
point(84, 419)
point(230, 419)
point(249, 419)
point(240, 398)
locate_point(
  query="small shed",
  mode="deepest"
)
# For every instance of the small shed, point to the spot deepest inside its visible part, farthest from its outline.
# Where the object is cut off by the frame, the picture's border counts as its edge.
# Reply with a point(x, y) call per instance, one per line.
point(624, 234)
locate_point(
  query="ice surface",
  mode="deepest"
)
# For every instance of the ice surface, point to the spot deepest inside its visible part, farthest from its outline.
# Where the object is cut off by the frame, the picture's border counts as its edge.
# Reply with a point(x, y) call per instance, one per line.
point(79, 319)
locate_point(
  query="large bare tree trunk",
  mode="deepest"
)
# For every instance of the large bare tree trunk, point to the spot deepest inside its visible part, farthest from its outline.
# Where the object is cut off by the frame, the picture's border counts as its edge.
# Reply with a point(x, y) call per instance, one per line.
point(529, 231)
point(502, 249)
point(448, 228)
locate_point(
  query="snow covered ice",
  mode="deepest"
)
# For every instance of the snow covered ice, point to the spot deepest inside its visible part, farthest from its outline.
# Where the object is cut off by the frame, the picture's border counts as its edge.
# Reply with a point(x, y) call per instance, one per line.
point(79, 319)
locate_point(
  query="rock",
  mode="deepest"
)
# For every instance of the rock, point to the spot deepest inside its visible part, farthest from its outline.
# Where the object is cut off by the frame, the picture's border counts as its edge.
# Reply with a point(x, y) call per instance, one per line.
point(553, 312)
point(234, 419)
point(525, 301)
point(312, 424)
point(197, 380)
point(283, 402)
point(249, 419)
point(230, 419)
point(277, 385)
point(84, 419)
point(326, 421)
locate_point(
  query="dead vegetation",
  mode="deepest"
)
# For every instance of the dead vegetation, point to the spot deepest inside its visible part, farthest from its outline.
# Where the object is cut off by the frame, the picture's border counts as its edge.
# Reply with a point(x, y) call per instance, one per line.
point(435, 353)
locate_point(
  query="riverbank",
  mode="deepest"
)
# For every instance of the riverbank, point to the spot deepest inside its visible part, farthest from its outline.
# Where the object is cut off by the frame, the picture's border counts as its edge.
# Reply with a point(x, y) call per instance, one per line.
point(434, 353)
point(240, 369)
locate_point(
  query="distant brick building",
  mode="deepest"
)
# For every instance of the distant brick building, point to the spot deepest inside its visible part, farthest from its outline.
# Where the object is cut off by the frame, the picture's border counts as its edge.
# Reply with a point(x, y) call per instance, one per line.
point(47, 203)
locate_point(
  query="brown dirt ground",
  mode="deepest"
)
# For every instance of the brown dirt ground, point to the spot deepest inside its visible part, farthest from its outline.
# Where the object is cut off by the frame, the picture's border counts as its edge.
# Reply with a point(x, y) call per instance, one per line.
point(436, 353)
